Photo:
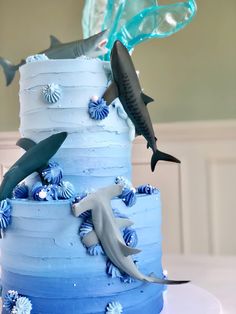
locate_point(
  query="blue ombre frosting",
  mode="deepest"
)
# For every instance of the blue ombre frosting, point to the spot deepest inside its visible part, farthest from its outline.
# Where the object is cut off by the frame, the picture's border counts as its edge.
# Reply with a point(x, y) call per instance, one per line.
point(42, 256)
point(43, 259)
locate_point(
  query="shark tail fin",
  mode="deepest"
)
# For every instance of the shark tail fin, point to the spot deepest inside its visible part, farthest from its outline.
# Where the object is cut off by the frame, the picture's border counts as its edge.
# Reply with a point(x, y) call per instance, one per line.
point(9, 70)
point(159, 155)
point(154, 279)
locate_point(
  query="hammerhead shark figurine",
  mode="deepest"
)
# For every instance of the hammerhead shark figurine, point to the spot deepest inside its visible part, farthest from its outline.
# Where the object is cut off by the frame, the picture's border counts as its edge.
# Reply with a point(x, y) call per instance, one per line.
point(106, 231)
point(126, 86)
point(34, 159)
point(92, 47)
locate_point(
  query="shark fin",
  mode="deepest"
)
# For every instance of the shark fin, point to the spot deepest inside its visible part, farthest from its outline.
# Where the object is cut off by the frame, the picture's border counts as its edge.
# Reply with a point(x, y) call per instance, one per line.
point(126, 250)
point(112, 191)
point(123, 222)
point(90, 239)
point(148, 143)
point(159, 155)
point(146, 99)
point(111, 93)
point(25, 143)
point(9, 69)
point(54, 41)
point(85, 204)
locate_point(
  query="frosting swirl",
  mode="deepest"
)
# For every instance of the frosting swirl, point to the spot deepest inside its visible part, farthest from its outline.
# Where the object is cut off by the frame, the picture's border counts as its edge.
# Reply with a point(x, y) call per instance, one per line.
point(66, 190)
point(5, 214)
point(147, 189)
point(95, 250)
point(114, 308)
point(129, 196)
point(97, 108)
point(9, 300)
point(21, 191)
point(130, 237)
point(44, 192)
point(53, 173)
point(22, 306)
point(36, 58)
point(52, 93)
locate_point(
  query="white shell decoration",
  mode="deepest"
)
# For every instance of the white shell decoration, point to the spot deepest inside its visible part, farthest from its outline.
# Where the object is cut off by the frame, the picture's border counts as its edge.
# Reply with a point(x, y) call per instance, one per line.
point(52, 93)
point(36, 58)
point(114, 308)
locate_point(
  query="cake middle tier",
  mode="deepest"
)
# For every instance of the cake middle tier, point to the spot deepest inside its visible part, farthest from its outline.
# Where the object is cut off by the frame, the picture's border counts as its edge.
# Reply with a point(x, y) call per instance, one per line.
point(95, 151)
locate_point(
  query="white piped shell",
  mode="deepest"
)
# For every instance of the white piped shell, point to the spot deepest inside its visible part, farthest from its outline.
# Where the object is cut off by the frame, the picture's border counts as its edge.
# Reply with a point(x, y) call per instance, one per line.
point(52, 93)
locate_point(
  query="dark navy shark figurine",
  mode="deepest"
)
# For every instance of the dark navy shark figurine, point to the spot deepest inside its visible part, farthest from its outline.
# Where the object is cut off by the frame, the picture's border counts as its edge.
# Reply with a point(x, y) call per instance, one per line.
point(126, 86)
point(34, 159)
point(92, 47)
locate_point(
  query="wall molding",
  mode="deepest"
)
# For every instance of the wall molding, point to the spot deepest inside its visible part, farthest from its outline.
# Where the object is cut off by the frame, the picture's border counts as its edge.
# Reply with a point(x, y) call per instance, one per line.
point(8, 139)
point(194, 130)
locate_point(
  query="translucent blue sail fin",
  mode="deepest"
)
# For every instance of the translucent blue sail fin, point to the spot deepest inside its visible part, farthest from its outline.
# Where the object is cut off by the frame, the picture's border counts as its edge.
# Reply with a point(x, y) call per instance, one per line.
point(157, 22)
point(93, 16)
point(134, 21)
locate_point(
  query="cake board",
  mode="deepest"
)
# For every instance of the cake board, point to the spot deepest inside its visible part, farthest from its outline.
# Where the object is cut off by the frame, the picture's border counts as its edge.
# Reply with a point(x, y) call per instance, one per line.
point(190, 298)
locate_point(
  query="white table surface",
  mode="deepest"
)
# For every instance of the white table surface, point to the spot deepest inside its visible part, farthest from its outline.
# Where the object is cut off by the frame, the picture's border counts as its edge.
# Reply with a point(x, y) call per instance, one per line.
point(216, 274)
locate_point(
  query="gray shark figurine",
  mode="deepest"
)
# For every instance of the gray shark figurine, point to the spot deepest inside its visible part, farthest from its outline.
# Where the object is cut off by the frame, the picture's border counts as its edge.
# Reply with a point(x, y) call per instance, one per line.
point(106, 230)
point(33, 160)
point(126, 86)
point(92, 47)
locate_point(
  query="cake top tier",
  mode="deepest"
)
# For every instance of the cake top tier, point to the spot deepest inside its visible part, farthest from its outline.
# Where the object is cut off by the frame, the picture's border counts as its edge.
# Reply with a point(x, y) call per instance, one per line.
point(65, 95)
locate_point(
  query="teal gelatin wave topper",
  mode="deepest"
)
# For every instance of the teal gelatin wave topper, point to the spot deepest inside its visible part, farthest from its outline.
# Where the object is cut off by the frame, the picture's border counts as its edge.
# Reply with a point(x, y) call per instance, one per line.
point(133, 22)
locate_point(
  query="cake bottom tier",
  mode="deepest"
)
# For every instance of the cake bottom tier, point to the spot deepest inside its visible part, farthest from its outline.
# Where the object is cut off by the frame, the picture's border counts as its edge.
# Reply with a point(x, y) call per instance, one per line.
point(43, 259)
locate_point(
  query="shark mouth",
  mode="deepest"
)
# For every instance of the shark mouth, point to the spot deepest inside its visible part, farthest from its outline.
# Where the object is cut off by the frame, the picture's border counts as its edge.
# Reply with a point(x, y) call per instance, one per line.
point(102, 45)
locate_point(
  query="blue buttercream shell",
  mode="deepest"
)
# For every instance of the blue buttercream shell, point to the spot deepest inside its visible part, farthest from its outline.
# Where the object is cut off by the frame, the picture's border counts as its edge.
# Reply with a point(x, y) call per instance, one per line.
point(52, 93)
point(147, 189)
point(66, 190)
point(21, 191)
point(5, 214)
point(98, 109)
point(85, 228)
point(112, 270)
point(114, 308)
point(130, 237)
point(44, 192)
point(22, 306)
point(36, 58)
point(95, 250)
point(9, 300)
point(53, 173)
point(125, 182)
point(129, 197)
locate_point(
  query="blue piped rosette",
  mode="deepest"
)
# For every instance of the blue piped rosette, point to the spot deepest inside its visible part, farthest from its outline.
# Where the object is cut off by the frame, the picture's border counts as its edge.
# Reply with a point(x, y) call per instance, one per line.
point(15, 303)
point(114, 308)
point(21, 191)
point(128, 194)
point(5, 215)
point(44, 192)
point(53, 173)
point(147, 189)
point(97, 108)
